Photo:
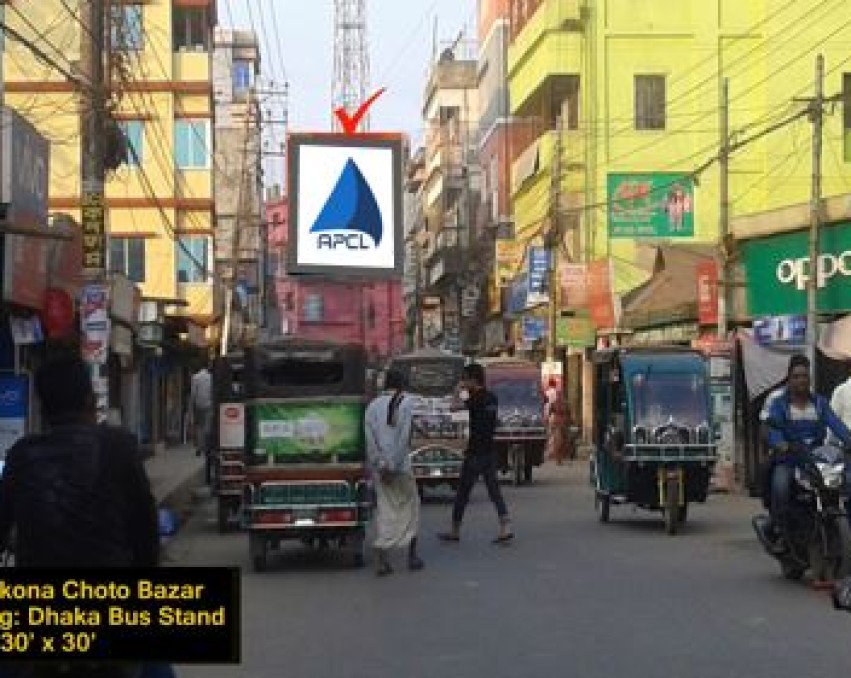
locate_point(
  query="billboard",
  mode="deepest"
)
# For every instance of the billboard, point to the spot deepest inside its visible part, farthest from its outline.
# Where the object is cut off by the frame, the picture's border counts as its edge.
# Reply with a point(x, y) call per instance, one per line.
point(652, 205)
point(345, 209)
point(304, 432)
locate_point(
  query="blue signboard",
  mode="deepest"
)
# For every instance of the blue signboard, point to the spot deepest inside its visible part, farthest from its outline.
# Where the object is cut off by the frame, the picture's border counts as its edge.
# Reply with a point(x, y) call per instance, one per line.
point(518, 296)
point(780, 329)
point(534, 329)
point(539, 268)
point(14, 409)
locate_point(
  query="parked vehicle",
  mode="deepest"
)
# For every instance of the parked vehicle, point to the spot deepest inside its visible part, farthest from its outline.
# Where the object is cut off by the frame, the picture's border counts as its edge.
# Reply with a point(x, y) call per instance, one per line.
point(815, 535)
point(305, 453)
point(653, 437)
point(439, 434)
point(521, 437)
point(228, 439)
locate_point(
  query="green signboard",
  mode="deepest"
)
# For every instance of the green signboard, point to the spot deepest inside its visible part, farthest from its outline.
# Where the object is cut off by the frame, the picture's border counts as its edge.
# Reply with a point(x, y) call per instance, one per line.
point(777, 270)
point(652, 205)
point(308, 432)
point(576, 332)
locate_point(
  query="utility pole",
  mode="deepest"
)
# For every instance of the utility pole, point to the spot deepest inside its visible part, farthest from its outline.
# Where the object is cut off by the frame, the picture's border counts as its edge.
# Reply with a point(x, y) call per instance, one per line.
point(555, 239)
point(817, 118)
point(726, 306)
point(93, 119)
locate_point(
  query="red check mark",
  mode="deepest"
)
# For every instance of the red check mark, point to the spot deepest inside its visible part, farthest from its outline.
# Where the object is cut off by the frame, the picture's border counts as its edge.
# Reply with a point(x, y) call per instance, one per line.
point(350, 124)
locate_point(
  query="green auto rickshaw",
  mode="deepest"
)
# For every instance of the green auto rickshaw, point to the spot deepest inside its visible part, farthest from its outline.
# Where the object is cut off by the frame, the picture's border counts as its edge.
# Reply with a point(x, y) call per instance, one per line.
point(654, 440)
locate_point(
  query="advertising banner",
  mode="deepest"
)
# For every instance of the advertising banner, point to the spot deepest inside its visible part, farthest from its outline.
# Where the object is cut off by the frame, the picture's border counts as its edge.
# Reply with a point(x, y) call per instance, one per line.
point(653, 205)
point(539, 269)
point(707, 293)
point(778, 269)
point(345, 208)
point(600, 300)
point(576, 332)
point(574, 286)
point(780, 329)
point(14, 409)
point(508, 257)
point(308, 431)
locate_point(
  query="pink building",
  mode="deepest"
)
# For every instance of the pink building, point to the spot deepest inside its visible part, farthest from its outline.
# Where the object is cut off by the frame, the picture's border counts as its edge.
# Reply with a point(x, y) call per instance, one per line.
point(371, 313)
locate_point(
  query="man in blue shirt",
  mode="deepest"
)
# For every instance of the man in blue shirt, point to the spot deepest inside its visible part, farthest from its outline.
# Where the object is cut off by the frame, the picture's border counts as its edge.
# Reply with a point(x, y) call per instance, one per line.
point(798, 422)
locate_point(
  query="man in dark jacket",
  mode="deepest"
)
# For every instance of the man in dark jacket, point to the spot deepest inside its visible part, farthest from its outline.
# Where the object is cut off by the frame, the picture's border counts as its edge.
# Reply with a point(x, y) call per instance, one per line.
point(77, 495)
point(479, 458)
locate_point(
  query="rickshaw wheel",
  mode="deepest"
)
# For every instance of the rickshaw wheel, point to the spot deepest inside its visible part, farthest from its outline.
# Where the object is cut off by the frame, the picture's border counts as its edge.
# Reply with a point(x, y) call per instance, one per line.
point(527, 472)
point(603, 504)
point(672, 507)
point(791, 571)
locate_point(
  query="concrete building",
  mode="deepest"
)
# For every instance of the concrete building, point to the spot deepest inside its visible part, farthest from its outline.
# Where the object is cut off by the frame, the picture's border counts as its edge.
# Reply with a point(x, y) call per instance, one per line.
point(370, 313)
point(450, 197)
point(159, 201)
point(238, 188)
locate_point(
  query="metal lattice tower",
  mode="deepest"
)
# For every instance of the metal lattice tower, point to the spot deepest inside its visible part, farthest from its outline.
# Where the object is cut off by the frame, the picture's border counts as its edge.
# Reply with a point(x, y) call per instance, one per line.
point(351, 57)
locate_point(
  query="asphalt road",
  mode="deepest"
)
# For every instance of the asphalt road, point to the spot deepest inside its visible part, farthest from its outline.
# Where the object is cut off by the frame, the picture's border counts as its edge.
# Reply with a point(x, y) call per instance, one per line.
point(571, 597)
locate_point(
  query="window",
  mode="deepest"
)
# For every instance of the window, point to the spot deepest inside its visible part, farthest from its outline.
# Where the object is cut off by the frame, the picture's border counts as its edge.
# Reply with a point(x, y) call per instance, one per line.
point(126, 28)
point(191, 145)
point(649, 102)
point(242, 76)
point(127, 256)
point(193, 254)
point(191, 29)
point(846, 115)
point(133, 133)
point(313, 308)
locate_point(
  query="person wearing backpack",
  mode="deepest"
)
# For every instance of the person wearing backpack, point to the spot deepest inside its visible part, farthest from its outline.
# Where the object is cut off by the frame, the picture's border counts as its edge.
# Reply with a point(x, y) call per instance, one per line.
point(77, 496)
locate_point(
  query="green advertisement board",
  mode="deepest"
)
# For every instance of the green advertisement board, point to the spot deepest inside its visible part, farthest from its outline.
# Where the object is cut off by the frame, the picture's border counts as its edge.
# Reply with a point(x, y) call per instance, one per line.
point(651, 205)
point(576, 332)
point(315, 432)
point(777, 270)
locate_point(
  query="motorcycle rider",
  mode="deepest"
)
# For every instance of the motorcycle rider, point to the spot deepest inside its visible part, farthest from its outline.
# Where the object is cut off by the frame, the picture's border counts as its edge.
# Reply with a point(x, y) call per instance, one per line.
point(798, 422)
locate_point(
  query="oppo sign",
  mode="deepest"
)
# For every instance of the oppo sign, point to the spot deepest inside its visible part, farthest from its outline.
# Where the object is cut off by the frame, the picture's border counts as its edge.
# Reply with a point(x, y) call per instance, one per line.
point(797, 271)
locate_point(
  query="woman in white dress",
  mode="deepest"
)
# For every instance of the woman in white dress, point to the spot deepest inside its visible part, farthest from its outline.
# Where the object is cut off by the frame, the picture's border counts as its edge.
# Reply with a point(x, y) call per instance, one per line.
point(388, 436)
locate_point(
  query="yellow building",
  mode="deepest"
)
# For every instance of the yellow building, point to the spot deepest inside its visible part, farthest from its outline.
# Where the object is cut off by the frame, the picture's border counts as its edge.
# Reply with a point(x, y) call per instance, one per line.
point(638, 86)
point(160, 208)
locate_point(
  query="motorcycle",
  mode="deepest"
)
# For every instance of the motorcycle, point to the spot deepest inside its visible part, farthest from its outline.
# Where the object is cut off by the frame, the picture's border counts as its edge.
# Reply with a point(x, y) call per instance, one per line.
point(815, 535)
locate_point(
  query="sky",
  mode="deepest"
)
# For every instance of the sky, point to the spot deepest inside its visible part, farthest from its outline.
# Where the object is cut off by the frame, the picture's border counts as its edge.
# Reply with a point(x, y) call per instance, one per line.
point(400, 36)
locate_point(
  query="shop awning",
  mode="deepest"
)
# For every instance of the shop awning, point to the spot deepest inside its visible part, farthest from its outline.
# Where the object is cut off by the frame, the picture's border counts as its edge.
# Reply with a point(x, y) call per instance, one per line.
point(670, 296)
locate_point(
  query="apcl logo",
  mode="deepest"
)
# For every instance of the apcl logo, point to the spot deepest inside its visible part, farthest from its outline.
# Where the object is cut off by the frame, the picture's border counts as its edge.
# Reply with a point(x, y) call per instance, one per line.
point(350, 217)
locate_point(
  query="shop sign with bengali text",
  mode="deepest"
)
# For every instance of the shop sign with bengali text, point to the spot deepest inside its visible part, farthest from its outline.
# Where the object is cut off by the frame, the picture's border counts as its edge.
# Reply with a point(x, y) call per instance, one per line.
point(508, 257)
point(576, 332)
point(94, 233)
point(601, 303)
point(707, 293)
point(539, 268)
point(651, 205)
point(574, 286)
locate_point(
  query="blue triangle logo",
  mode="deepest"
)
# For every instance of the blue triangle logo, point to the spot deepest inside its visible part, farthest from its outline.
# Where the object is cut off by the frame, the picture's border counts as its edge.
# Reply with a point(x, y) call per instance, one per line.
point(351, 206)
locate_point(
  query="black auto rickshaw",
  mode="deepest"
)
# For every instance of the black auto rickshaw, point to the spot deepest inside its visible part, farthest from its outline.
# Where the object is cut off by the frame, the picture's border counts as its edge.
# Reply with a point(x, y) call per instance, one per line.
point(439, 433)
point(521, 436)
point(305, 475)
point(228, 438)
point(654, 441)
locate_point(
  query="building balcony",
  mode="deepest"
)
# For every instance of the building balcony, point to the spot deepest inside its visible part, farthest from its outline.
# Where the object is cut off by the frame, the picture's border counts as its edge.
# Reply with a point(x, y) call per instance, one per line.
point(204, 300)
point(192, 66)
point(550, 44)
point(531, 178)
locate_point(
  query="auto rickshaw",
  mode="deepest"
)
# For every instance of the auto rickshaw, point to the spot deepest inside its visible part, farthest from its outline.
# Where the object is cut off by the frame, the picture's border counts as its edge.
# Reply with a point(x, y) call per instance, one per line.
point(439, 433)
point(653, 434)
point(521, 436)
point(228, 439)
point(305, 453)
